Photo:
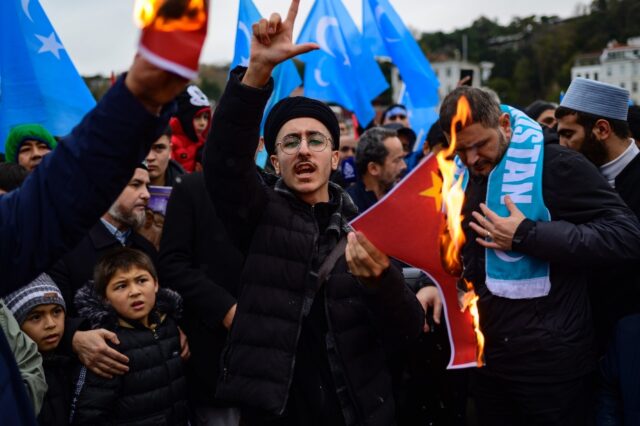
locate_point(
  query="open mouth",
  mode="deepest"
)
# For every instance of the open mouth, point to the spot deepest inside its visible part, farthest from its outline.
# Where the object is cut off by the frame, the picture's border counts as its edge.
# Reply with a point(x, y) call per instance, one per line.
point(52, 338)
point(137, 305)
point(304, 169)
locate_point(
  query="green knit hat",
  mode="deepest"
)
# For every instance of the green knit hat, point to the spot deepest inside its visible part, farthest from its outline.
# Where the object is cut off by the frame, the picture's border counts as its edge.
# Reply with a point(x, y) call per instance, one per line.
point(19, 134)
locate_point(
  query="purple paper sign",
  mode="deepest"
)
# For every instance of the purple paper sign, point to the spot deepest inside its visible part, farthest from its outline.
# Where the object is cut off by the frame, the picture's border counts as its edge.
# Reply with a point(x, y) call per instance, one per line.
point(159, 198)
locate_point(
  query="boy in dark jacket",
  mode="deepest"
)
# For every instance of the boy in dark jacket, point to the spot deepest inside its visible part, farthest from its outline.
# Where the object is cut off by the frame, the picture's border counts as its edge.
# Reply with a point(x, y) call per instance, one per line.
point(40, 310)
point(126, 300)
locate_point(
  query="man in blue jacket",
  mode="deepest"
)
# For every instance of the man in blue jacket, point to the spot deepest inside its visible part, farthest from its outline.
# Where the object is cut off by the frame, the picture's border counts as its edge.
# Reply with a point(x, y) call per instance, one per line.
point(69, 191)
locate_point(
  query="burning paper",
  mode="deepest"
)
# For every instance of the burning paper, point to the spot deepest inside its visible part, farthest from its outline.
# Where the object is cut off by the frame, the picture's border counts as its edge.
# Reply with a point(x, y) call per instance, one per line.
point(173, 33)
point(424, 238)
point(453, 198)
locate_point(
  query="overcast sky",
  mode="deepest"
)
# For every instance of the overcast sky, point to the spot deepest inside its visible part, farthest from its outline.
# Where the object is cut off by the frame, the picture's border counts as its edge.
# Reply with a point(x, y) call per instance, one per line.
point(100, 35)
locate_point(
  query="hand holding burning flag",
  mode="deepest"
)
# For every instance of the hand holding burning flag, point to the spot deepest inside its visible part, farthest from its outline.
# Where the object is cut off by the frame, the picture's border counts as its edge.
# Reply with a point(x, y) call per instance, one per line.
point(173, 33)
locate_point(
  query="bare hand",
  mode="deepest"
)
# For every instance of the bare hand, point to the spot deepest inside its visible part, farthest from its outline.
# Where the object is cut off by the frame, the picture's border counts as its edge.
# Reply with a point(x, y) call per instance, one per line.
point(365, 261)
point(463, 81)
point(430, 296)
point(272, 44)
point(93, 351)
point(228, 318)
point(153, 86)
point(496, 232)
point(185, 353)
point(152, 228)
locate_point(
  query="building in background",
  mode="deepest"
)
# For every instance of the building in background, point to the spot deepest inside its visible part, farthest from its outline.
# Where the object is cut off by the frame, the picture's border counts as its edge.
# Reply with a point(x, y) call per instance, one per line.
point(617, 64)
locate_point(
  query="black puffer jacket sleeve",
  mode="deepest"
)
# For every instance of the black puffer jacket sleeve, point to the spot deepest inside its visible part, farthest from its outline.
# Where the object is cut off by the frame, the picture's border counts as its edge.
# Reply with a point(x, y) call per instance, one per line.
point(178, 266)
point(229, 165)
point(590, 223)
point(95, 396)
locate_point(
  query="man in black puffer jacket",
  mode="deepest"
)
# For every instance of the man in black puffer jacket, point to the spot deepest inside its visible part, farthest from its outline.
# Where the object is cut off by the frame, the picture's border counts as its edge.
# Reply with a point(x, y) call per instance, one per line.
point(301, 350)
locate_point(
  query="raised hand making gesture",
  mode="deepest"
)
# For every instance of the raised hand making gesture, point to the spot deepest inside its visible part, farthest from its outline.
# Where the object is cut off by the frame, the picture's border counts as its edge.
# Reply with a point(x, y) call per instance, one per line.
point(272, 44)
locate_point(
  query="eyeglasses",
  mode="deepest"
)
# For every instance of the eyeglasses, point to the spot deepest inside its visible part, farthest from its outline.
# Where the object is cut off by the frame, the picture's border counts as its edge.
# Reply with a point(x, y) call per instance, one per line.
point(396, 117)
point(316, 142)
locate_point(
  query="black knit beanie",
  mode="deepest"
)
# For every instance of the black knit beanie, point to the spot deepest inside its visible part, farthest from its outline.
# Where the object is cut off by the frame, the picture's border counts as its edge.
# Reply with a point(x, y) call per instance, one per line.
point(298, 107)
point(191, 102)
point(536, 108)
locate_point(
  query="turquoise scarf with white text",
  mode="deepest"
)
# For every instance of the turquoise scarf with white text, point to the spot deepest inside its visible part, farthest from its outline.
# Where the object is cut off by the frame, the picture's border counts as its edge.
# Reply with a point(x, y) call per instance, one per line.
point(519, 174)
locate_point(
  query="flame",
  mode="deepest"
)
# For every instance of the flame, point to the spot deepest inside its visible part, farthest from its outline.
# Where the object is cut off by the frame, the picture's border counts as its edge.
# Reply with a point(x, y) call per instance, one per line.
point(452, 193)
point(470, 301)
point(453, 199)
point(171, 15)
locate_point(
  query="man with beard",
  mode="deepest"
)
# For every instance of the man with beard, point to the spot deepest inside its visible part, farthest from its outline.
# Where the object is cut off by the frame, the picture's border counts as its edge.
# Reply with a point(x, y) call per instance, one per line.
point(380, 165)
point(592, 119)
point(537, 219)
point(116, 228)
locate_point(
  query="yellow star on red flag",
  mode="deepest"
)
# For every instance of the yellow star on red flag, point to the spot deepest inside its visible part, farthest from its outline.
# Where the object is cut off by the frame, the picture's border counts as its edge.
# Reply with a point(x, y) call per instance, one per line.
point(435, 191)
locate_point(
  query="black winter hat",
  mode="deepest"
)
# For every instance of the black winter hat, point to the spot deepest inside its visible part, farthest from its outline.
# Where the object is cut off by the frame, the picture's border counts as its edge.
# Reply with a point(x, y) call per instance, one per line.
point(191, 102)
point(297, 107)
point(538, 107)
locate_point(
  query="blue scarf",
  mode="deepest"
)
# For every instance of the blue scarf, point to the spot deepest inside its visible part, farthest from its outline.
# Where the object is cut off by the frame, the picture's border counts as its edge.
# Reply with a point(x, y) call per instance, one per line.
point(519, 175)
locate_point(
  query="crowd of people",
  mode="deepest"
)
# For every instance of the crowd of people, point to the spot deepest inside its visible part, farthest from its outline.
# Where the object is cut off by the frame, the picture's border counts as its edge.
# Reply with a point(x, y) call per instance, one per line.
point(252, 301)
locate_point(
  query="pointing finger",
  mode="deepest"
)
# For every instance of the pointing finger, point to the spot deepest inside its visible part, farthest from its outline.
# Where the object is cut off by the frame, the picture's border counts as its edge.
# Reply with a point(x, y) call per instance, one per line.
point(293, 11)
point(437, 310)
point(489, 213)
point(478, 229)
point(513, 209)
point(488, 244)
point(299, 49)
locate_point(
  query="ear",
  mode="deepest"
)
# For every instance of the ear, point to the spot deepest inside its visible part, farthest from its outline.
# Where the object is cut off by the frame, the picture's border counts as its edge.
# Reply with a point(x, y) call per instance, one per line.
point(602, 129)
point(373, 168)
point(156, 286)
point(275, 163)
point(504, 124)
point(335, 159)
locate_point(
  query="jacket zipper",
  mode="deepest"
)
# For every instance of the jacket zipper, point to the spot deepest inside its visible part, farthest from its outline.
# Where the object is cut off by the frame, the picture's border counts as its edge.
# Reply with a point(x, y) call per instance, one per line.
point(300, 318)
point(354, 401)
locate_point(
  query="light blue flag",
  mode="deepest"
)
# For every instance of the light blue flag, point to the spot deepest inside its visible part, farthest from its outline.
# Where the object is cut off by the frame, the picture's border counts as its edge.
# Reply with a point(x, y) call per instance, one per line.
point(421, 119)
point(285, 75)
point(386, 35)
point(342, 70)
point(38, 82)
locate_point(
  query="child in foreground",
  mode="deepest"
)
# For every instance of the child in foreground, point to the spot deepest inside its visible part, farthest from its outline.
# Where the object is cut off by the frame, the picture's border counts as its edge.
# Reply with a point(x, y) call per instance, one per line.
point(125, 299)
point(39, 309)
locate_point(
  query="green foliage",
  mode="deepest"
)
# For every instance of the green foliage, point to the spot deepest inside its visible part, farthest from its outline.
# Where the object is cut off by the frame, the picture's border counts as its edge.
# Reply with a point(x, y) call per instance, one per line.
point(533, 55)
point(210, 88)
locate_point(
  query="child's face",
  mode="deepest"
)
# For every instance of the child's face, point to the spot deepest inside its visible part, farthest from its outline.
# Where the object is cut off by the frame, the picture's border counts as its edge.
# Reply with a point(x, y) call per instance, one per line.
point(132, 294)
point(45, 326)
point(201, 121)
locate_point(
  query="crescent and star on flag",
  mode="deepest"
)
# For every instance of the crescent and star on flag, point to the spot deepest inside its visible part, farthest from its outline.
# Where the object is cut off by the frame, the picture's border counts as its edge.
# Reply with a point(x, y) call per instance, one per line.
point(50, 43)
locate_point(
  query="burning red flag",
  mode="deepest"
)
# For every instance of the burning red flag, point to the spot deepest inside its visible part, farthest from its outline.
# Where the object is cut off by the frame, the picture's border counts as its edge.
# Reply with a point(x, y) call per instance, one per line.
point(414, 207)
point(173, 33)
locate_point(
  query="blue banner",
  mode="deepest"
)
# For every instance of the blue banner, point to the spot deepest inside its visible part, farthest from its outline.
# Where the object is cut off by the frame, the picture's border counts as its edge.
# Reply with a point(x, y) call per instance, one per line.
point(386, 35)
point(342, 70)
point(38, 82)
